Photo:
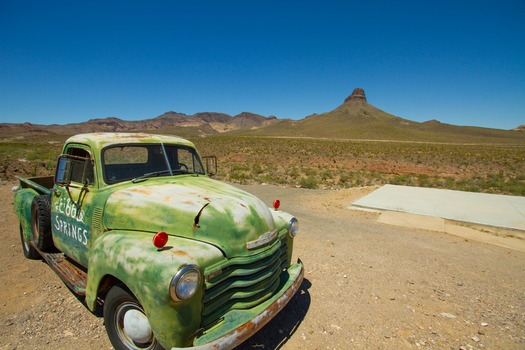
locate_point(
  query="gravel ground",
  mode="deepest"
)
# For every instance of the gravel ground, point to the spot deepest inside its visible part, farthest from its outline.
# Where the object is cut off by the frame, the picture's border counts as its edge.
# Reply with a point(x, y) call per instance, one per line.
point(367, 286)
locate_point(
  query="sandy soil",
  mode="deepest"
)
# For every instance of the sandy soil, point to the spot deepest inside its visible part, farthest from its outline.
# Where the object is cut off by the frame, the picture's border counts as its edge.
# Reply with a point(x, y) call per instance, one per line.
point(368, 285)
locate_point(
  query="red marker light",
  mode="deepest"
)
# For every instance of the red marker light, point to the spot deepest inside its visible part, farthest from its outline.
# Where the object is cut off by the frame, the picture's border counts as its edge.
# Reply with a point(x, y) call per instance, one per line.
point(160, 239)
point(276, 204)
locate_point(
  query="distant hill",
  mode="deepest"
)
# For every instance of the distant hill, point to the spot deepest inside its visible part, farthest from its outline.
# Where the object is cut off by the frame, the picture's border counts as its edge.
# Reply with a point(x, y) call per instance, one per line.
point(357, 119)
point(354, 119)
point(206, 123)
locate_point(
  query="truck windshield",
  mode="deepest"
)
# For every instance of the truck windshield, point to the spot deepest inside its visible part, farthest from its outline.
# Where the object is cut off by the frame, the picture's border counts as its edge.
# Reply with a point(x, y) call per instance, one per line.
point(128, 162)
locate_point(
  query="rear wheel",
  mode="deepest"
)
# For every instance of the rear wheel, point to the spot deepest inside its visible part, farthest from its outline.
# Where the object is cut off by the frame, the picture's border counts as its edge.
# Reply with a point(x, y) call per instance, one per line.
point(29, 251)
point(126, 323)
point(41, 222)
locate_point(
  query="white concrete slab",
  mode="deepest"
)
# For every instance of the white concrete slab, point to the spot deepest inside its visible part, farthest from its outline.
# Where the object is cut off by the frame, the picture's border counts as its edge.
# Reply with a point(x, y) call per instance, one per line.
point(479, 208)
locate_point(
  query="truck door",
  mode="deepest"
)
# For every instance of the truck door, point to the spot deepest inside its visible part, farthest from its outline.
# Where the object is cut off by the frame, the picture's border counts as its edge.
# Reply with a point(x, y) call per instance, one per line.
point(72, 203)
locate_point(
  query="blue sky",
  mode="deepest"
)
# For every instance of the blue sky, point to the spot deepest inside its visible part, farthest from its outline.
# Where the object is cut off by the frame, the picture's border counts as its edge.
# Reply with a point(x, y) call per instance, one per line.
point(461, 62)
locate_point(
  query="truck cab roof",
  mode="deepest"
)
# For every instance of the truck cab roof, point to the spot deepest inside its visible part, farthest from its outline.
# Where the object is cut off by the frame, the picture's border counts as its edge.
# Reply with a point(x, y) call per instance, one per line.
point(103, 139)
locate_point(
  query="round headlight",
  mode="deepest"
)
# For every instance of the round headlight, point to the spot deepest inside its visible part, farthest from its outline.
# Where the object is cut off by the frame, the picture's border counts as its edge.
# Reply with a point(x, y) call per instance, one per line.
point(185, 283)
point(293, 227)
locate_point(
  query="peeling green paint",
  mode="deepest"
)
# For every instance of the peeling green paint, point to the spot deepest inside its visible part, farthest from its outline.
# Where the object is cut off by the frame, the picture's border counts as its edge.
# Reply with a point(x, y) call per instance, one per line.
point(147, 271)
point(232, 218)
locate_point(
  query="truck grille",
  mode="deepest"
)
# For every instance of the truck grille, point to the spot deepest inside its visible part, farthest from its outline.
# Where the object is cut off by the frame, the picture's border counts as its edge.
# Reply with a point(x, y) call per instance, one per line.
point(244, 282)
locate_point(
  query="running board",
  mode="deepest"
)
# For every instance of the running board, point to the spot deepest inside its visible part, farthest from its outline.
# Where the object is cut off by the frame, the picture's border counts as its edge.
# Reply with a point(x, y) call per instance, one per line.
point(72, 275)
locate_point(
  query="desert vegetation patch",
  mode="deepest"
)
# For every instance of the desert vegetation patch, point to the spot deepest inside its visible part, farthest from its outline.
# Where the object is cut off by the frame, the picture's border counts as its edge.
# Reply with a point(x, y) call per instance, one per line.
point(320, 163)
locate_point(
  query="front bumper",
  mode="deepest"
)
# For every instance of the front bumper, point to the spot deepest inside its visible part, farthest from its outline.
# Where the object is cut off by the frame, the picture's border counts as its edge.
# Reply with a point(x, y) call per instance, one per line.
point(244, 323)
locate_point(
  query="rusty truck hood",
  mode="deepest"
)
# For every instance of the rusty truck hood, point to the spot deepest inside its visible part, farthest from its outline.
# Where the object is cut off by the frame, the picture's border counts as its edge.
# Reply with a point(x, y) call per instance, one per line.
point(195, 207)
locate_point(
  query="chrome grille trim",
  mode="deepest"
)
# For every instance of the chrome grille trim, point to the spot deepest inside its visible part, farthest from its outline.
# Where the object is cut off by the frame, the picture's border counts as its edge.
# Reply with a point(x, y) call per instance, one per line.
point(244, 282)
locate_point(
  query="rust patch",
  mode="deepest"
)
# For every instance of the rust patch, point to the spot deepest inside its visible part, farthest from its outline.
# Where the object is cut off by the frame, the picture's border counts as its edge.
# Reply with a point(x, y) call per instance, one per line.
point(180, 253)
point(72, 275)
point(247, 328)
point(141, 190)
point(131, 136)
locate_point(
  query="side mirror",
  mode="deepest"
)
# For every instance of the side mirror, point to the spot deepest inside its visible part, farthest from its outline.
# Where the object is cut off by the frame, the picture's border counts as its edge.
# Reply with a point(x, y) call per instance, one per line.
point(211, 164)
point(63, 173)
point(74, 169)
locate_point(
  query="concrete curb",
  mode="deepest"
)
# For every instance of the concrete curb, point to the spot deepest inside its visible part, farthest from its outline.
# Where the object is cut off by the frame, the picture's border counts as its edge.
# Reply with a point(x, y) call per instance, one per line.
point(480, 208)
point(494, 219)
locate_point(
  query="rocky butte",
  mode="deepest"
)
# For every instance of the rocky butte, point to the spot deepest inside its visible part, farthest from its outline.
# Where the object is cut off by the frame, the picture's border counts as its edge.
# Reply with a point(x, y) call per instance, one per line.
point(358, 95)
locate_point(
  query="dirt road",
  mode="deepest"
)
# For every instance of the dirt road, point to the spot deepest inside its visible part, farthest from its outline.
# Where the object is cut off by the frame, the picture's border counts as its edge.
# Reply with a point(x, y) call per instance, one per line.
point(367, 286)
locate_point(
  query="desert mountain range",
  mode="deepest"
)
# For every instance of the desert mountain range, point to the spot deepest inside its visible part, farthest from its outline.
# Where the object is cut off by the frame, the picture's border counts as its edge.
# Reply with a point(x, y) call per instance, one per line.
point(355, 118)
point(206, 122)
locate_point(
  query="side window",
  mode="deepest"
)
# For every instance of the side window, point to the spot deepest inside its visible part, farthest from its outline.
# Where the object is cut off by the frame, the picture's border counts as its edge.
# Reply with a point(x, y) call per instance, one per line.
point(81, 166)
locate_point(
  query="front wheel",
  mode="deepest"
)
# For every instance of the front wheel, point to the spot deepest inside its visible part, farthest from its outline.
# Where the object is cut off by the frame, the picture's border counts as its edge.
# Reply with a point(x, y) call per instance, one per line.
point(126, 323)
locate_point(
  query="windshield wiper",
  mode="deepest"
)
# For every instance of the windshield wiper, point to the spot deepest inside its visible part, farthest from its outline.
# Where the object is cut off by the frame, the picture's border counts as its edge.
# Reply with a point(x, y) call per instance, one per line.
point(152, 174)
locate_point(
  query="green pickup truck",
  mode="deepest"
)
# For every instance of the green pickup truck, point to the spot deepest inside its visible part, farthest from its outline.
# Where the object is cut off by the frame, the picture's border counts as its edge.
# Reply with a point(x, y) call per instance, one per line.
point(133, 222)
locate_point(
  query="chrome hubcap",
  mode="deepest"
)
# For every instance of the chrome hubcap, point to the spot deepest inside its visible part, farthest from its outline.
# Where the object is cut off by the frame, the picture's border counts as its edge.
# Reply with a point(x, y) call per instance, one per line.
point(133, 327)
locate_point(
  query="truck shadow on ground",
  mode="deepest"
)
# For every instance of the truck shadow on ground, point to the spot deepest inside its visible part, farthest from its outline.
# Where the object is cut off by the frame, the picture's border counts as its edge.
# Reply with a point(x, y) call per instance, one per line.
point(282, 327)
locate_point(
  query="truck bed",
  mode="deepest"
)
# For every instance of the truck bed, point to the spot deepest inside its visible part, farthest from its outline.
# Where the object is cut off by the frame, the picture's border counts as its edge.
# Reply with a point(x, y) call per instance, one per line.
point(42, 184)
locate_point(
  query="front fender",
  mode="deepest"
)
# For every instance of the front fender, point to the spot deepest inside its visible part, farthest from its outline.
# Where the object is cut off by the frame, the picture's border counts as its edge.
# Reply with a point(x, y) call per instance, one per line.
point(281, 218)
point(147, 271)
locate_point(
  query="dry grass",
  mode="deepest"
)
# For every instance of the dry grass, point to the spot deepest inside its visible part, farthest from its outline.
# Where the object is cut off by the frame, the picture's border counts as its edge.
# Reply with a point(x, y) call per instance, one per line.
point(321, 163)
point(314, 163)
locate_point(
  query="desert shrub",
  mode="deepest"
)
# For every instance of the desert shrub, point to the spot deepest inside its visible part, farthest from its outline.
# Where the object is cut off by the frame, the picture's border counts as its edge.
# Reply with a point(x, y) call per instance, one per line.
point(345, 179)
point(423, 180)
point(293, 172)
point(257, 169)
point(309, 171)
point(240, 167)
point(404, 179)
point(327, 175)
point(238, 176)
point(309, 182)
point(450, 182)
